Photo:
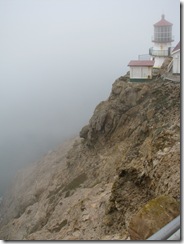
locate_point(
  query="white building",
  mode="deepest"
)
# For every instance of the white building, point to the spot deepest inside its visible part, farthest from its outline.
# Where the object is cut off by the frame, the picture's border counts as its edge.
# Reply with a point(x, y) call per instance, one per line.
point(162, 41)
point(141, 70)
point(176, 59)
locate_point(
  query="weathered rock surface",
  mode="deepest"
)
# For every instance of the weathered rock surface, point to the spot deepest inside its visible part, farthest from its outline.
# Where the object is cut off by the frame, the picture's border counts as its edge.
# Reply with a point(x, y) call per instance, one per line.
point(91, 188)
point(152, 217)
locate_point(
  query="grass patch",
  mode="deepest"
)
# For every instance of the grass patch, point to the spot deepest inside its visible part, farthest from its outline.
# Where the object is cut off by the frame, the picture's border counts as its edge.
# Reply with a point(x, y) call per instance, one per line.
point(75, 183)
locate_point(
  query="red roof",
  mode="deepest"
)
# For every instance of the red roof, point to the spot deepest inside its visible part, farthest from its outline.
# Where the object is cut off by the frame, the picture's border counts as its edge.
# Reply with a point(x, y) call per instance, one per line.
point(141, 63)
point(163, 22)
point(177, 47)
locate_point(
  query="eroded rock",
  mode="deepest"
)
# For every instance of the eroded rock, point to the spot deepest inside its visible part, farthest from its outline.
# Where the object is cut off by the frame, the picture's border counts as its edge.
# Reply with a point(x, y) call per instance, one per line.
point(90, 188)
point(152, 217)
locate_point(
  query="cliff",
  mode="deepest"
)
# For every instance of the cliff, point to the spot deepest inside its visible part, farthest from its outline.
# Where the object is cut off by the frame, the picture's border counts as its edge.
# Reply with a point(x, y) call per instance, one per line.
point(99, 186)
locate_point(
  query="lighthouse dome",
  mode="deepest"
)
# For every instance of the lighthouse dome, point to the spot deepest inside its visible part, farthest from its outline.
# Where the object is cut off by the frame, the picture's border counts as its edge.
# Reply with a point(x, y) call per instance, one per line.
point(163, 22)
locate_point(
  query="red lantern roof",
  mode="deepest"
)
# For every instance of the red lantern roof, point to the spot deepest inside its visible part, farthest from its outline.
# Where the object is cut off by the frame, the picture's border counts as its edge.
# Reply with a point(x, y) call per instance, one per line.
point(163, 22)
point(141, 63)
point(177, 47)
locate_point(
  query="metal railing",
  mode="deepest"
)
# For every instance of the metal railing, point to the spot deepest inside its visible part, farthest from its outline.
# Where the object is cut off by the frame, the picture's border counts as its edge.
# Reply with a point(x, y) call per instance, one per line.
point(170, 65)
point(159, 53)
point(171, 231)
point(175, 237)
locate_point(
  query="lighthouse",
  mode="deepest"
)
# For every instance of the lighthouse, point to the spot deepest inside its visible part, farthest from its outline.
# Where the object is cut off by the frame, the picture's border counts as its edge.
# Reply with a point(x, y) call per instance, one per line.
point(162, 40)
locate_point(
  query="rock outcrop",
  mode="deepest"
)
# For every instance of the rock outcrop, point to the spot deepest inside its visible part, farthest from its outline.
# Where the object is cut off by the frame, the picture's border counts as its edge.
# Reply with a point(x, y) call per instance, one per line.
point(94, 187)
point(152, 217)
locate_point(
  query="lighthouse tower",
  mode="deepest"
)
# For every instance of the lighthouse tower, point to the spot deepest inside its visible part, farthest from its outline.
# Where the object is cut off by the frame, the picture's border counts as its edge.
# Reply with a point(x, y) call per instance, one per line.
point(162, 41)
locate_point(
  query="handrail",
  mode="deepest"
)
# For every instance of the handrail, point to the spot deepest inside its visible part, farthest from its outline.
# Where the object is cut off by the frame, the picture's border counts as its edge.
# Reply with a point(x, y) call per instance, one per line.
point(167, 231)
point(161, 53)
point(170, 66)
point(175, 237)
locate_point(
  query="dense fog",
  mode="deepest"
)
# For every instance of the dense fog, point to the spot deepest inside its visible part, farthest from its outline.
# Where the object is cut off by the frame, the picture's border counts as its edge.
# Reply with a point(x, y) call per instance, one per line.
point(58, 60)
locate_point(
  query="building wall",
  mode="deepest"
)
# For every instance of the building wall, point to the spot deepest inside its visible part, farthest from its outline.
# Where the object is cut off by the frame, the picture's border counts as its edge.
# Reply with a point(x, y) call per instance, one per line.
point(162, 50)
point(158, 62)
point(140, 72)
point(176, 63)
point(161, 46)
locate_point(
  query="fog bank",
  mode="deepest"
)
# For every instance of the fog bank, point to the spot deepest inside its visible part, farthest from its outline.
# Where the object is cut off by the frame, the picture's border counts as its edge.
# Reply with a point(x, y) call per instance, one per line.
point(58, 60)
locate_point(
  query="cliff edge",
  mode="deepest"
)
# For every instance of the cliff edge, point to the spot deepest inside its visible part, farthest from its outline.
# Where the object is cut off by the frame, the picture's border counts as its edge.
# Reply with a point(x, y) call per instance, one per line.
point(122, 168)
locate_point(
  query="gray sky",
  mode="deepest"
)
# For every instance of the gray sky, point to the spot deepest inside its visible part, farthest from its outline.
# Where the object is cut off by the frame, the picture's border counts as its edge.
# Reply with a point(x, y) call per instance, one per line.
point(58, 60)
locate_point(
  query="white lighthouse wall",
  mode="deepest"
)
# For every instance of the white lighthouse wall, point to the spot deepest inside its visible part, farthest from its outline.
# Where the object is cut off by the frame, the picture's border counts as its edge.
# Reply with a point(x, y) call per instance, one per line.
point(176, 63)
point(161, 46)
point(158, 62)
point(161, 51)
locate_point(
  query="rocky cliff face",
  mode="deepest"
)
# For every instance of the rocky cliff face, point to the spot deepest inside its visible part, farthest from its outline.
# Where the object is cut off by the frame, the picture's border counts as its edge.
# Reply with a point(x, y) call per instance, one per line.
point(98, 186)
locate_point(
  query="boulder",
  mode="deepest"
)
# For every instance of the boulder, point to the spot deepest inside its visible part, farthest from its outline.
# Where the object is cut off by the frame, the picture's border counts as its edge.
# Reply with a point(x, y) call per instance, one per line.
point(84, 132)
point(152, 217)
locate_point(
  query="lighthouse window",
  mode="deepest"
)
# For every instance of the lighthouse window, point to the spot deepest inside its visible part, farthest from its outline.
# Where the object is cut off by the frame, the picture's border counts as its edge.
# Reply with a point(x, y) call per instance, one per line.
point(163, 33)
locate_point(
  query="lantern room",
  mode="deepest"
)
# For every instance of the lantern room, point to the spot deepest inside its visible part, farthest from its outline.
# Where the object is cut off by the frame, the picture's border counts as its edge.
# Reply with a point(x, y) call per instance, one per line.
point(162, 40)
point(163, 31)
